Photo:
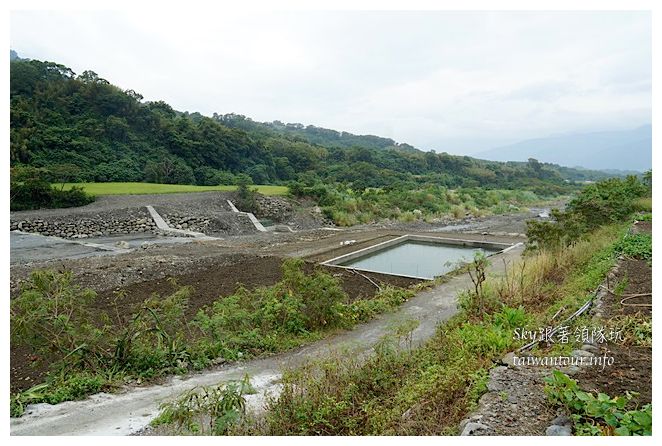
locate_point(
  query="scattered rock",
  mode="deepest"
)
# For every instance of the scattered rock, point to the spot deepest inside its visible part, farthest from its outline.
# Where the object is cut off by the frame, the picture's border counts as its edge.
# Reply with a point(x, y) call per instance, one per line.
point(591, 348)
point(581, 353)
point(562, 420)
point(473, 428)
point(571, 370)
point(219, 361)
point(556, 430)
point(509, 359)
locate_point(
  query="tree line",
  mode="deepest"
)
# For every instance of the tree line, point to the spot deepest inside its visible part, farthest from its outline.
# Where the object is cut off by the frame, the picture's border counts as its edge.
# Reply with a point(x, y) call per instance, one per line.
point(81, 123)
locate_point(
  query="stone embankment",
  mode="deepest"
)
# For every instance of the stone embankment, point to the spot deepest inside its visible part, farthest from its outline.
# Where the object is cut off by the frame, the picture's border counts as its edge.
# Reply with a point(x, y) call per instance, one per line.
point(85, 225)
point(210, 222)
point(273, 208)
point(204, 212)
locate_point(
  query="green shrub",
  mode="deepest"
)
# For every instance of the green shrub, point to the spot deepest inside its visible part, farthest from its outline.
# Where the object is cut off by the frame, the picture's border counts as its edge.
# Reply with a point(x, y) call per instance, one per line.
point(511, 318)
point(246, 197)
point(320, 293)
point(608, 201)
point(297, 305)
point(30, 189)
point(51, 316)
point(602, 203)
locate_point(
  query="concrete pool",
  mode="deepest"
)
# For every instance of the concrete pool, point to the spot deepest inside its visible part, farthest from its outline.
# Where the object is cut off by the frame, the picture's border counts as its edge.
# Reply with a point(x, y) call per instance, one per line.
point(421, 257)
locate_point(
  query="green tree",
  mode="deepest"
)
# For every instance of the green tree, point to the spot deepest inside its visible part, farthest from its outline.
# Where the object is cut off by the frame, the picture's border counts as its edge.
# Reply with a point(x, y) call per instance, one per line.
point(246, 197)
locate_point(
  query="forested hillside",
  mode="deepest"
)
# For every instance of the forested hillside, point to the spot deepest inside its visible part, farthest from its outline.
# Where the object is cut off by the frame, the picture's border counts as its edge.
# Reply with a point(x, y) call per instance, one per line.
point(91, 130)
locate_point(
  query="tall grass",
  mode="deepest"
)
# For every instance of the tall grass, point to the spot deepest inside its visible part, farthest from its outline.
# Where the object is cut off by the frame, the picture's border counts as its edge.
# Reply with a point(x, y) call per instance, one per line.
point(644, 204)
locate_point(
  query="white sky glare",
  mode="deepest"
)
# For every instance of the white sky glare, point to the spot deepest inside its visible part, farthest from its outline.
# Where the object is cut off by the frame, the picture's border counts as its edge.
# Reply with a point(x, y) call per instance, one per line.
point(451, 81)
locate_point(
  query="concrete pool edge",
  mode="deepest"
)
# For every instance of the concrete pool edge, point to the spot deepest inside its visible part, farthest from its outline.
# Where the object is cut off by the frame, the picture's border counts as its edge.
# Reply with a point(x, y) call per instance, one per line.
point(335, 262)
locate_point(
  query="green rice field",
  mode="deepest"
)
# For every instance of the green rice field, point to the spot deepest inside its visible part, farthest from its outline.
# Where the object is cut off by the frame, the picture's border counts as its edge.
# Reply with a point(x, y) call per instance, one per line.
point(153, 188)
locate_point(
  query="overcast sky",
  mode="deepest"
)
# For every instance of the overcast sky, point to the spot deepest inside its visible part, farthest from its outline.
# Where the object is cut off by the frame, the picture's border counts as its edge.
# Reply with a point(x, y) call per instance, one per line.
point(449, 81)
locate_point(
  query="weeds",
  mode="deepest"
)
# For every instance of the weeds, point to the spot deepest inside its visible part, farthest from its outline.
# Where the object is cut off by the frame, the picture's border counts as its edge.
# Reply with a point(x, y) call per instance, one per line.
point(637, 330)
point(598, 414)
point(646, 216)
point(20, 400)
point(52, 316)
point(207, 410)
point(603, 203)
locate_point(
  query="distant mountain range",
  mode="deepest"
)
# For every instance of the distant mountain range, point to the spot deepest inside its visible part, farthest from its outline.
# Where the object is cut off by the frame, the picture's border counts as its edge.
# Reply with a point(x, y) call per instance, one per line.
point(627, 150)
